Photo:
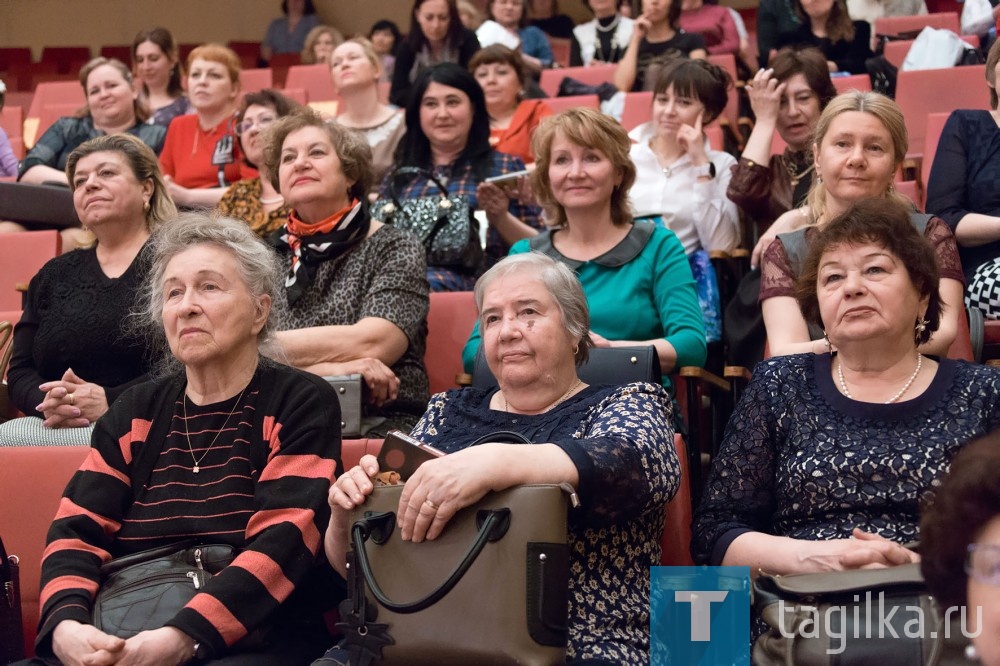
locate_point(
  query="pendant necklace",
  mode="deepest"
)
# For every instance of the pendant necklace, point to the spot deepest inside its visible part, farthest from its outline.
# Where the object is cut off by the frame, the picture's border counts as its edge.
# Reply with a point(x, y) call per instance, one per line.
point(187, 435)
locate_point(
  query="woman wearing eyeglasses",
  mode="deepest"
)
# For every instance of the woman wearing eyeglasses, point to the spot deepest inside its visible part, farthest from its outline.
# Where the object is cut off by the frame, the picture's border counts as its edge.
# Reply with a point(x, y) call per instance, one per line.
point(960, 544)
point(254, 200)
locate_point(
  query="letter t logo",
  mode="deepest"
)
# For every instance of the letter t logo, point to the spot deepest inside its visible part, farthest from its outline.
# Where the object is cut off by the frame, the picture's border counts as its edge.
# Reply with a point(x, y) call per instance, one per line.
point(701, 605)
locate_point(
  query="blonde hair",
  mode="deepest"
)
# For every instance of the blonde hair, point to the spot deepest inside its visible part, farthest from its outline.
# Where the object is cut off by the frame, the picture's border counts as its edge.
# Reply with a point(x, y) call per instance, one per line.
point(308, 58)
point(872, 103)
point(584, 127)
point(139, 108)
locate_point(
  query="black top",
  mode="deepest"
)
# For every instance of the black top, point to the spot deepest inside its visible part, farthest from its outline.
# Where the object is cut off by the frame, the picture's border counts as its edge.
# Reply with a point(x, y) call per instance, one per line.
point(965, 179)
point(560, 26)
point(775, 18)
point(76, 317)
point(406, 61)
point(655, 54)
point(850, 56)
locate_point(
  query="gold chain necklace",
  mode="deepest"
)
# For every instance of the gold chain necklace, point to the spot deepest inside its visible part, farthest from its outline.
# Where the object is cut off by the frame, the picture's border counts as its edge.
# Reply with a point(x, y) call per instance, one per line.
point(187, 435)
point(794, 174)
point(554, 404)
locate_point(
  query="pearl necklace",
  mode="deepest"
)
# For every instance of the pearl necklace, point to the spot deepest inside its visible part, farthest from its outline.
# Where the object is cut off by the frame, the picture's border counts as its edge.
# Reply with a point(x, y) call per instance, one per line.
point(554, 404)
point(268, 202)
point(906, 386)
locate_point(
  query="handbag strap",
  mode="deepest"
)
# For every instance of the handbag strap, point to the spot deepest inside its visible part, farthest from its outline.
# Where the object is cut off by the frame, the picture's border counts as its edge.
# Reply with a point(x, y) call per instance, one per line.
point(415, 172)
point(492, 526)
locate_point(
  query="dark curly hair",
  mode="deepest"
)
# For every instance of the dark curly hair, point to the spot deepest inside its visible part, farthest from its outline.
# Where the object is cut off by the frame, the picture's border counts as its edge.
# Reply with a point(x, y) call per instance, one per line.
point(881, 222)
point(810, 63)
point(968, 499)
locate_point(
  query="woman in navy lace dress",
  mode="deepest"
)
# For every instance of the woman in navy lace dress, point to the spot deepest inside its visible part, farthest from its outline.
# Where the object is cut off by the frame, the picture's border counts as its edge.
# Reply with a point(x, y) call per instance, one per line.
point(614, 445)
point(828, 456)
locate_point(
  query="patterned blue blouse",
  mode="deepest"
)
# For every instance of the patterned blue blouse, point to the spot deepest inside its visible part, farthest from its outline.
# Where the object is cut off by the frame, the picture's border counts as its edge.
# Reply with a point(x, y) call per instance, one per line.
point(621, 441)
point(799, 459)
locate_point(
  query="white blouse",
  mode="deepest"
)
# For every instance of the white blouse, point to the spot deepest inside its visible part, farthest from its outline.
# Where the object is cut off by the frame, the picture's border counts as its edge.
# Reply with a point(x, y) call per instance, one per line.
point(698, 212)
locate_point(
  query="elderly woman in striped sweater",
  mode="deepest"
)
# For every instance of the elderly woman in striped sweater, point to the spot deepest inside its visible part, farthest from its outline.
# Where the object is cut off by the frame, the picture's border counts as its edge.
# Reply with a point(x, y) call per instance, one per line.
point(225, 447)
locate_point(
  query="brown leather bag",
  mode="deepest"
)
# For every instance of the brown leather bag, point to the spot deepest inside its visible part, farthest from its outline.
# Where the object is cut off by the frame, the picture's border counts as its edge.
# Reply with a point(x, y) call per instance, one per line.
point(492, 588)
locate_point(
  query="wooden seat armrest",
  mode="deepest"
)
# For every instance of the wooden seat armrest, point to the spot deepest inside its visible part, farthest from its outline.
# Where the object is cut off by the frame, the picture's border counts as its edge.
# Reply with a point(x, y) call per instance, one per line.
point(463, 379)
point(736, 372)
point(694, 372)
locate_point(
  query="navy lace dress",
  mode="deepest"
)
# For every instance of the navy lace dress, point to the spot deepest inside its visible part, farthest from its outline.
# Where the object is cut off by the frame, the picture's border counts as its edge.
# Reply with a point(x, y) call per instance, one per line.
point(801, 460)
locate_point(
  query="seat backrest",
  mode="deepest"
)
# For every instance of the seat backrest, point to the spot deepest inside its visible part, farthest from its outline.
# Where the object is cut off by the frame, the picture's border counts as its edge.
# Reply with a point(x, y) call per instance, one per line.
point(607, 365)
point(961, 346)
point(14, 55)
point(897, 25)
point(255, 80)
point(935, 125)
point(21, 255)
point(594, 75)
point(121, 52)
point(66, 56)
point(560, 104)
point(33, 479)
point(314, 79)
point(560, 50)
point(450, 320)
point(911, 190)
point(859, 82)
point(638, 109)
point(727, 61)
point(54, 92)
point(935, 91)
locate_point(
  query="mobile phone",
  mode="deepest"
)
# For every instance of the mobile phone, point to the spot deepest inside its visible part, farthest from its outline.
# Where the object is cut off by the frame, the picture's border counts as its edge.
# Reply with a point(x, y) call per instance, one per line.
point(402, 454)
point(507, 180)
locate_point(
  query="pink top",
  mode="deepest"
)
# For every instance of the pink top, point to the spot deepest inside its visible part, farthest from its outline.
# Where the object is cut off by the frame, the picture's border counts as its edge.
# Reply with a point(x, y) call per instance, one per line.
point(716, 26)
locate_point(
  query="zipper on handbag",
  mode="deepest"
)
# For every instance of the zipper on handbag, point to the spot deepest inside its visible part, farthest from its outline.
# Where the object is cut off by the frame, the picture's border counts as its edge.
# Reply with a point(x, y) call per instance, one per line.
point(197, 559)
point(193, 575)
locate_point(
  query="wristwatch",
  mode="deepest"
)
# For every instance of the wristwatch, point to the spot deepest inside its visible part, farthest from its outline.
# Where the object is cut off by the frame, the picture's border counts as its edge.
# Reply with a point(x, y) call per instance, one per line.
point(705, 171)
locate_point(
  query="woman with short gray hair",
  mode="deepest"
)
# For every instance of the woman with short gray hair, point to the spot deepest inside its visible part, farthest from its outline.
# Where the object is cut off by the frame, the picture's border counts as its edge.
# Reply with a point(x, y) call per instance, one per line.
point(243, 454)
point(613, 444)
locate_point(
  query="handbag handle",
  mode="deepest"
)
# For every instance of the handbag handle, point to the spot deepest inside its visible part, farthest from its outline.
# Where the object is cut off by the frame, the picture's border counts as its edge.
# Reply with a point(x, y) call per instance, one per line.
point(412, 171)
point(493, 524)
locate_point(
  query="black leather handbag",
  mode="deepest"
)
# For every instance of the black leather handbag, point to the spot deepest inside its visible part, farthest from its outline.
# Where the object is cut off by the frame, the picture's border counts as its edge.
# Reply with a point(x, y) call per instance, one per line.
point(144, 590)
point(444, 223)
point(877, 616)
point(11, 627)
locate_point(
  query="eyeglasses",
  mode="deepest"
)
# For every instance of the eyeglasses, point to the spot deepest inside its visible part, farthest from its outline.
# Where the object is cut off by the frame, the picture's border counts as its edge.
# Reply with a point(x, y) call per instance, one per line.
point(983, 562)
point(247, 125)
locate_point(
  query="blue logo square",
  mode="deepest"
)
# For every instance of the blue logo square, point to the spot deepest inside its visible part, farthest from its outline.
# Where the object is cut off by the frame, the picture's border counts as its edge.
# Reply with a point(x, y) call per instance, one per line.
point(699, 616)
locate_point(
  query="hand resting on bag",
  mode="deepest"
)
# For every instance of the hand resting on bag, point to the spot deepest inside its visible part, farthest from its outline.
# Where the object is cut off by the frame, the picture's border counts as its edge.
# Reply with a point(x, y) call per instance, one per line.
point(784, 555)
point(76, 644)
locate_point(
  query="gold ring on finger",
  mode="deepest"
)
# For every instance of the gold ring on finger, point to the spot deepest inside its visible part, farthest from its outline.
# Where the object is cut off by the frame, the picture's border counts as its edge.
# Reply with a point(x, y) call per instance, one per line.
point(72, 398)
point(431, 504)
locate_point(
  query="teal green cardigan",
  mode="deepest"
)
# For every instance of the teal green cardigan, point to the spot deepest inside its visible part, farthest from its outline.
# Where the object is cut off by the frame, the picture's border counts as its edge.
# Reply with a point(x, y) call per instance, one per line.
point(639, 290)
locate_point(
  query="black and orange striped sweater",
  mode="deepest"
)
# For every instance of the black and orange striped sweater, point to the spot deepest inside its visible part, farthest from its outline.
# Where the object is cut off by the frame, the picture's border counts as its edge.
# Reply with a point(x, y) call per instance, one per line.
point(261, 486)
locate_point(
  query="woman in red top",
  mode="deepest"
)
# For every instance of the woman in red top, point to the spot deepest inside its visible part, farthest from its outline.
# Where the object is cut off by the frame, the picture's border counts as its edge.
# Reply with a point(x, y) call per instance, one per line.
point(201, 156)
point(500, 73)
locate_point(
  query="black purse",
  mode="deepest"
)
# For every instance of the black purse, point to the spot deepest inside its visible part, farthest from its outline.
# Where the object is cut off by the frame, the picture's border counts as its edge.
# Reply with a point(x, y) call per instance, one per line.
point(854, 617)
point(11, 627)
point(144, 590)
point(443, 223)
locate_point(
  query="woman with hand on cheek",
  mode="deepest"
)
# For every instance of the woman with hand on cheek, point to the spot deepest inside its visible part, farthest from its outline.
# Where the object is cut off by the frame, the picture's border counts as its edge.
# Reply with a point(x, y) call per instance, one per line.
point(657, 38)
point(679, 178)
